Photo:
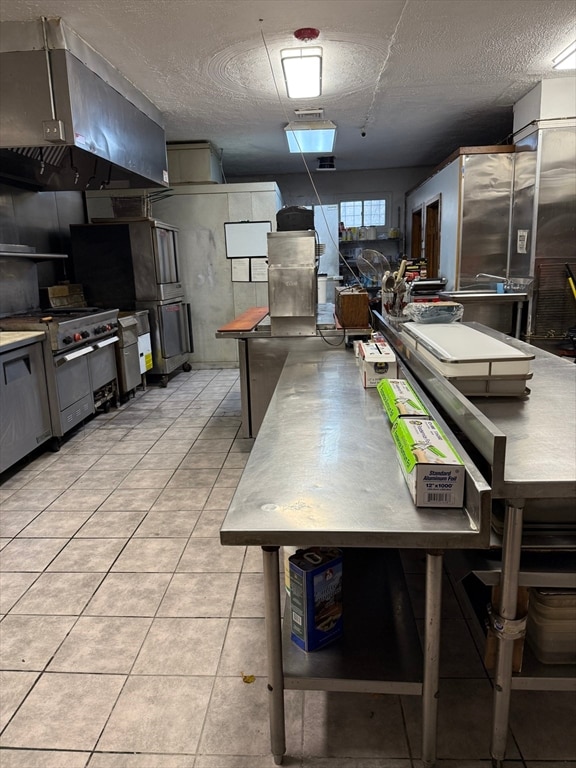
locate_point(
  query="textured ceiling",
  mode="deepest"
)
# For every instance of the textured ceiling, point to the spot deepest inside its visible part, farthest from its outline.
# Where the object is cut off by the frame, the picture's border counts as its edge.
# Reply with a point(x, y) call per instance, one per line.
point(419, 77)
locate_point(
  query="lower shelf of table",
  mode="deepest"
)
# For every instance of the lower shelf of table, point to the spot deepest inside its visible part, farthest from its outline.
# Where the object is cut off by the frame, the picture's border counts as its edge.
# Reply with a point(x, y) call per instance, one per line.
point(379, 651)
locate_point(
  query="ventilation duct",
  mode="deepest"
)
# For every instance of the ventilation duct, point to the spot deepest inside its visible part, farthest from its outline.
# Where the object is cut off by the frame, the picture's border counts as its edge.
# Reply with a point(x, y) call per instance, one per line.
point(69, 120)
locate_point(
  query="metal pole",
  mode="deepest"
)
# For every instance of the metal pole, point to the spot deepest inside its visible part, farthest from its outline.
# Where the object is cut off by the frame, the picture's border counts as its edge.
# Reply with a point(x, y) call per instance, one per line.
point(511, 550)
point(274, 647)
point(431, 657)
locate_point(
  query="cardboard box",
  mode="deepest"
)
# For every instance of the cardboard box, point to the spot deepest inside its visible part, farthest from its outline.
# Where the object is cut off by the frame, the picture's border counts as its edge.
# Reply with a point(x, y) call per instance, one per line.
point(316, 596)
point(399, 399)
point(377, 362)
point(352, 307)
point(434, 472)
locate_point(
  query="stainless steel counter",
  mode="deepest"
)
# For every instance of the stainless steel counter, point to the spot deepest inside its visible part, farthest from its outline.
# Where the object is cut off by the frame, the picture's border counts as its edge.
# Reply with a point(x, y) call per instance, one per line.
point(529, 445)
point(323, 470)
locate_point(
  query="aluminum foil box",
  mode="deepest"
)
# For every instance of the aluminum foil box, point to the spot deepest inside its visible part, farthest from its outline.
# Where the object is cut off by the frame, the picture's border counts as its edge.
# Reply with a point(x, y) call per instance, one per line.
point(316, 596)
point(433, 471)
point(399, 399)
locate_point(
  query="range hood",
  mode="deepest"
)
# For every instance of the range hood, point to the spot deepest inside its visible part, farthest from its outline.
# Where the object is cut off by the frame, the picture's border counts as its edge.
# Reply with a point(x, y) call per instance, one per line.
point(69, 119)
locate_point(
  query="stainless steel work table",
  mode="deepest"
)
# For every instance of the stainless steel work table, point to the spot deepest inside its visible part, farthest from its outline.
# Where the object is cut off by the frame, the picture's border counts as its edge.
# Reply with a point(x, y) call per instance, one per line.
point(529, 445)
point(323, 471)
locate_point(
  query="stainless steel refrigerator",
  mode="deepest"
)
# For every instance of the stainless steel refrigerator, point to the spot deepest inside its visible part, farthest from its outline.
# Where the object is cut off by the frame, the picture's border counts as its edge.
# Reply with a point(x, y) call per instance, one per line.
point(132, 264)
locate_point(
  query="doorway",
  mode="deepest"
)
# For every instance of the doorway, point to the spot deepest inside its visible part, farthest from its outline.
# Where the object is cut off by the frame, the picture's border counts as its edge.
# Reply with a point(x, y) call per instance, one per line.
point(432, 238)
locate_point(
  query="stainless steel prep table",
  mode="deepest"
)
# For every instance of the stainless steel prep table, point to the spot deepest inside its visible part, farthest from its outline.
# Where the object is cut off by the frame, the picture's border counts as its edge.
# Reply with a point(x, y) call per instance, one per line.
point(529, 445)
point(261, 358)
point(323, 471)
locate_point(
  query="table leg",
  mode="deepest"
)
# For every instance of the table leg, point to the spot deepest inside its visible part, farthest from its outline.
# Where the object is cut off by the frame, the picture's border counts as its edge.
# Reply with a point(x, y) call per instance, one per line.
point(274, 648)
point(511, 550)
point(431, 657)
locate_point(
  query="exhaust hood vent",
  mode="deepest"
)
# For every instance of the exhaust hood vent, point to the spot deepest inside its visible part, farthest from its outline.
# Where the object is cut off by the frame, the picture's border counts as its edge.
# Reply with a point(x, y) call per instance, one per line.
point(69, 120)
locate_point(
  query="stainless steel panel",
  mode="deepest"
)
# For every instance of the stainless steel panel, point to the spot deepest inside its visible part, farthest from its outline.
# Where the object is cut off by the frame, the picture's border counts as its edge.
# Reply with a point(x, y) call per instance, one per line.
point(128, 366)
point(523, 212)
point(18, 285)
point(292, 283)
point(24, 411)
point(170, 334)
point(72, 379)
point(486, 196)
point(556, 214)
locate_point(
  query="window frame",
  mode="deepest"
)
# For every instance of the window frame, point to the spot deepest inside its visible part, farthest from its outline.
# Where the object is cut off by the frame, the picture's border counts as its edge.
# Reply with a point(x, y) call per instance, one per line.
point(386, 197)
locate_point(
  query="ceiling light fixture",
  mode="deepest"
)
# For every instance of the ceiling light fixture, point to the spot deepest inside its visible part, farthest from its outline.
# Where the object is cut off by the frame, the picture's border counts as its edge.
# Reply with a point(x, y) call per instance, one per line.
point(566, 59)
point(314, 136)
point(302, 69)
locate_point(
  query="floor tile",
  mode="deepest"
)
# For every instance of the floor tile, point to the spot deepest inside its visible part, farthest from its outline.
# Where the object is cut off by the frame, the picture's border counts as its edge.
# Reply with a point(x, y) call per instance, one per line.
point(354, 762)
point(37, 758)
point(182, 647)
point(19, 480)
point(176, 523)
point(227, 734)
point(229, 478)
point(244, 651)
point(59, 594)
point(100, 479)
point(14, 687)
point(462, 733)
point(199, 594)
point(44, 721)
point(138, 478)
point(113, 461)
point(113, 524)
point(29, 501)
point(30, 554)
point(353, 725)
point(196, 460)
point(209, 523)
point(138, 448)
point(126, 499)
point(543, 724)
point(13, 522)
point(220, 498)
point(153, 555)
point(128, 594)
point(103, 644)
point(4, 541)
point(161, 461)
point(29, 642)
point(243, 761)
point(192, 478)
point(211, 446)
point(55, 522)
point(249, 601)
point(80, 499)
point(12, 586)
point(165, 445)
point(142, 760)
point(253, 560)
point(160, 714)
point(209, 556)
point(181, 499)
point(55, 479)
point(81, 555)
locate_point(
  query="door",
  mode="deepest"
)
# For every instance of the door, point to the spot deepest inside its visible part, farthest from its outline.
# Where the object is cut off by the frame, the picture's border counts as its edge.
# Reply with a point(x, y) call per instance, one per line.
point(432, 238)
point(174, 335)
point(416, 238)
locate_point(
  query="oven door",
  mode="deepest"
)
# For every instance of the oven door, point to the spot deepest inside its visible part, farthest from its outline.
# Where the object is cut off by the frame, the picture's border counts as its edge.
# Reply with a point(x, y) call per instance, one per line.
point(74, 389)
point(175, 337)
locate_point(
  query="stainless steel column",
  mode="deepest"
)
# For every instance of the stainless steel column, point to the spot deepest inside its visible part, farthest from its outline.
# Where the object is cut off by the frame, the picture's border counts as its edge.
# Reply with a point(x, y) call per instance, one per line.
point(274, 648)
point(511, 550)
point(431, 657)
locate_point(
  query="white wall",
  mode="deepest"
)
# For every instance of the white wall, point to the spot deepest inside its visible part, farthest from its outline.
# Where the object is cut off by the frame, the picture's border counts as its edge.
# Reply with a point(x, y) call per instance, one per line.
point(549, 100)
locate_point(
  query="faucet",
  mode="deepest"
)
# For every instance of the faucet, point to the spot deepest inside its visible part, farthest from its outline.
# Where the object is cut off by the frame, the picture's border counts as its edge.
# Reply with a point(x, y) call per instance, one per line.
point(504, 280)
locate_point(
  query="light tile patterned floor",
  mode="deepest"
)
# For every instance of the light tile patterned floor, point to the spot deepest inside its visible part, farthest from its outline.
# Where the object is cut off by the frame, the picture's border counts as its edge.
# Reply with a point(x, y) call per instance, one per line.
point(126, 628)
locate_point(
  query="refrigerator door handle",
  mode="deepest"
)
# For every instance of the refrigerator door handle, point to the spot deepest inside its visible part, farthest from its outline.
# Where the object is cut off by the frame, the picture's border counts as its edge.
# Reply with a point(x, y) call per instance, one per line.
point(189, 328)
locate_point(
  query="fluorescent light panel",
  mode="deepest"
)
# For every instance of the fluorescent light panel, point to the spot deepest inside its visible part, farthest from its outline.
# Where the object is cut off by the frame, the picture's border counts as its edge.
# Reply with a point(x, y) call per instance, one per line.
point(566, 59)
point(302, 72)
point(316, 136)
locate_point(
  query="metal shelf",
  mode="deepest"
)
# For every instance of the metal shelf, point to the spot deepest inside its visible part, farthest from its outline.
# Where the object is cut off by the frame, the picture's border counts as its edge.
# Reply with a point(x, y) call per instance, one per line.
point(380, 650)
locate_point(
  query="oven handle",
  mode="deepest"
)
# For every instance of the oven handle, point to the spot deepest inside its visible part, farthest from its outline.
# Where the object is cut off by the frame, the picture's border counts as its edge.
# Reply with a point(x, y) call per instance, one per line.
point(189, 328)
point(73, 356)
point(105, 342)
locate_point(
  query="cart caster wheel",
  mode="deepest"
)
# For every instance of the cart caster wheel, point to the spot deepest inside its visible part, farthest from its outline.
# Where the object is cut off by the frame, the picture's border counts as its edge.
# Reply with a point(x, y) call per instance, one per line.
point(106, 407)
point(278, 759)
point(55, 444)
point(164, 381)
point(186, 367)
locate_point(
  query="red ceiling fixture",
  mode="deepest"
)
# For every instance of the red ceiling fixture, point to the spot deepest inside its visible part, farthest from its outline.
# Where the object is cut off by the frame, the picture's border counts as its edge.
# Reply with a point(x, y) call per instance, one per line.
point(305, 34)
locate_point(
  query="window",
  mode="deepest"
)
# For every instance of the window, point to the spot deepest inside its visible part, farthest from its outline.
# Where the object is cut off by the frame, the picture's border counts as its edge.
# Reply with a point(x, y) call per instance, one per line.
point(363, 213)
